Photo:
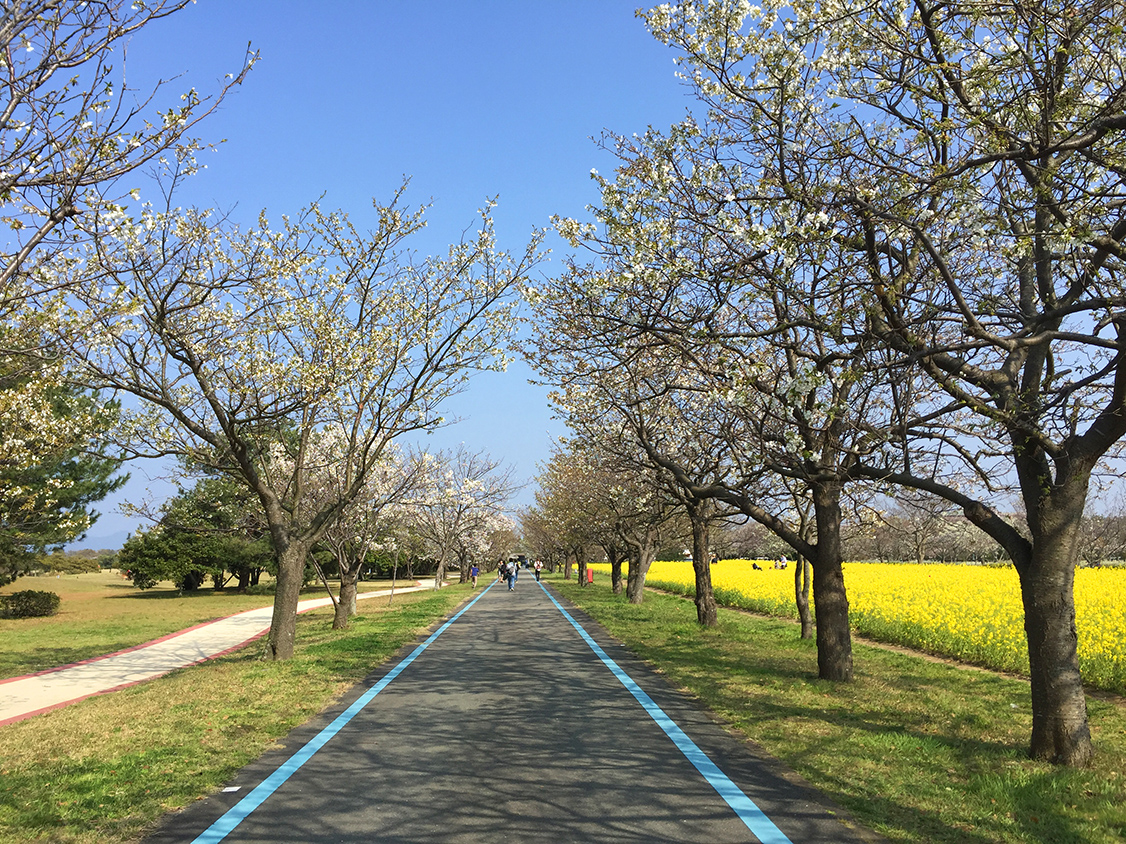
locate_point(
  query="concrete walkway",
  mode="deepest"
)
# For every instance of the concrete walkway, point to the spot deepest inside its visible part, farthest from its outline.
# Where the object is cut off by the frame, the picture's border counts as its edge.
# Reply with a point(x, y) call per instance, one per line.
point(23, 697)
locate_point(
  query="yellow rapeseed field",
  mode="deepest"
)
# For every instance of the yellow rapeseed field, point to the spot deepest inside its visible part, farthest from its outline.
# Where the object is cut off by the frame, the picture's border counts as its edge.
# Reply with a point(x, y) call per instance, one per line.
point(970, 613)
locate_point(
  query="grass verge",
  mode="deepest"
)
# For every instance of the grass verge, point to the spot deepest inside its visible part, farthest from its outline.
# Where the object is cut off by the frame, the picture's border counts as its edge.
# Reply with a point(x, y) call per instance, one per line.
point(107, 768)
point(101, 613)
point(918, 750)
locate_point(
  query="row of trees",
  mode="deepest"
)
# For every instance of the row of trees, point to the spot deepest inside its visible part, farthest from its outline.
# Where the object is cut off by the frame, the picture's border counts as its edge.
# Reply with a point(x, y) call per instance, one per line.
point(417, 511)
point(596, 500)
point(915, 529)
point(886, 252)
point(911, 529)
point(251, 352)
point(79, 561)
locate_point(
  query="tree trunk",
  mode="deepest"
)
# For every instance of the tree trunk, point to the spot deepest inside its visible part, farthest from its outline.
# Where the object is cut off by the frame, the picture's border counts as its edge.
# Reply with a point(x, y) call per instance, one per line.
point(706, 612)
point(641, 558)
point(440, 571)
point(291, 577)
point(830, 601)
point(615, 570)
point(580, 560)
point(346, 603)
point(324, 581)
point(801, 596)
point(1060, 732)
point(394, 576)
point(1059, 706)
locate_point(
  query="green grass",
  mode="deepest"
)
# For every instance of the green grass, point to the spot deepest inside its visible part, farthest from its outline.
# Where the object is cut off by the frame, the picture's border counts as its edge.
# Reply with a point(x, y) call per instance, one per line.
point(107, 768)
point(918, 750)
point(102, 613)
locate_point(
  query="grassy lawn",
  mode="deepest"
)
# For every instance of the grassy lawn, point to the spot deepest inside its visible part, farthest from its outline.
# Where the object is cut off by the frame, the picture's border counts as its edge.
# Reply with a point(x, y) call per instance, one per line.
point(107, 768)
point(101, 613)
point(919, 750)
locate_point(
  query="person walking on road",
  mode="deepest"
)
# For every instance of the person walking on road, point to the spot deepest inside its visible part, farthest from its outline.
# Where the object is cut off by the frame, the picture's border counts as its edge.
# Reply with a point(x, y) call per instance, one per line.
point(512, 565)
point(474, 572)
point(539, 568)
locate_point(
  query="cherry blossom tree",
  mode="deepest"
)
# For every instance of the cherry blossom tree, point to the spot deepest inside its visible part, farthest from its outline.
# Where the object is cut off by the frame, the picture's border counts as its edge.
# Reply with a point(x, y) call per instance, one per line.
point(71, 128)
point(721, 363)
point(588, 496)
point(626, 424)
point(490, 541)
point(564, 503)
point(964, 166)
point(71, 133)
point(536, 534)
point(460, 505)
point(241, 341)
point(642, 515)
point(368, 518)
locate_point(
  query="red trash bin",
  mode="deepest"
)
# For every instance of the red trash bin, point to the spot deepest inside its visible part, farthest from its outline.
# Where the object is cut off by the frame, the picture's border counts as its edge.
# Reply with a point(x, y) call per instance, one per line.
point(590, 575)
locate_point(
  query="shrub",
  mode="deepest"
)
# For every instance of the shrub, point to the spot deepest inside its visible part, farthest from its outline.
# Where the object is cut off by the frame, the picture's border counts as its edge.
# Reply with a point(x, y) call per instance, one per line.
point(29, 604)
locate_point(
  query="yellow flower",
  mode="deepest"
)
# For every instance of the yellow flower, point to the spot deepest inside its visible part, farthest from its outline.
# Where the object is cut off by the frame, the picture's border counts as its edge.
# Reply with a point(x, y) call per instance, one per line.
point(968, 612)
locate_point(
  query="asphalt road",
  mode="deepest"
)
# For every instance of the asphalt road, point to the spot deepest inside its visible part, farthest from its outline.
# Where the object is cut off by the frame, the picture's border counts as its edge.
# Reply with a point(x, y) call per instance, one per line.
point(508, 725)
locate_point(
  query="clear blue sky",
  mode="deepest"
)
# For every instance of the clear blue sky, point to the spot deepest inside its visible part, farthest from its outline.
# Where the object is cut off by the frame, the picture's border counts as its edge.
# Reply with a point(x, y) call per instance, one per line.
point(469, 99)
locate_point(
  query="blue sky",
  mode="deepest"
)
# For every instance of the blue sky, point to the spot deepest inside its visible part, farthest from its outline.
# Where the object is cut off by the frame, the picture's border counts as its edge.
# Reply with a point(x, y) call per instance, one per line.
point(469, 99)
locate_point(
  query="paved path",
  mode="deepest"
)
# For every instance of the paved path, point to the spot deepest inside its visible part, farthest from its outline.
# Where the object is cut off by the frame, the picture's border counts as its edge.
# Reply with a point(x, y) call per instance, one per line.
point(23, 697)
point(513, 723)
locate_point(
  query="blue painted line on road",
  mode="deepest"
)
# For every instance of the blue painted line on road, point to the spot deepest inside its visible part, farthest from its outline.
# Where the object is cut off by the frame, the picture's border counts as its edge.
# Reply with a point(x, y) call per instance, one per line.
point(241, 810)
point(756, 820)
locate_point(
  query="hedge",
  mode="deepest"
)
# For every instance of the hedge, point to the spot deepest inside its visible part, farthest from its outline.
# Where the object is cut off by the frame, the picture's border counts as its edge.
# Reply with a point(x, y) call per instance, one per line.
point(29, 604)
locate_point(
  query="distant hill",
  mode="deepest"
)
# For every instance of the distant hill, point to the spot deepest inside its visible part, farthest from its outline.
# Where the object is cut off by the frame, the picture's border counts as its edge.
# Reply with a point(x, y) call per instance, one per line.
point(107, 541)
